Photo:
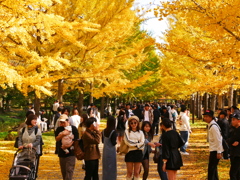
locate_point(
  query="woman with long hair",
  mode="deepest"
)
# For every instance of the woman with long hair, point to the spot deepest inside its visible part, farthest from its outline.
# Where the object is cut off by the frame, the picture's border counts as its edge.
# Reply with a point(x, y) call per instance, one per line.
point(171, 142)
point(134, 138)
point(109, 162)
point(148, 134)
point(27, 136)
point(30, 137)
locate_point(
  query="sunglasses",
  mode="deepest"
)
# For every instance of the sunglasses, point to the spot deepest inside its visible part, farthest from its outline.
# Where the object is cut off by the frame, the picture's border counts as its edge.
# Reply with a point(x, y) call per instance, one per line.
point(133, 123)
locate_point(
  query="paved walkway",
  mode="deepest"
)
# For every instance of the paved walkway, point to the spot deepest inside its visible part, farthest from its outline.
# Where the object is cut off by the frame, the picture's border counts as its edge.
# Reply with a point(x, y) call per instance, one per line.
point(195, 165)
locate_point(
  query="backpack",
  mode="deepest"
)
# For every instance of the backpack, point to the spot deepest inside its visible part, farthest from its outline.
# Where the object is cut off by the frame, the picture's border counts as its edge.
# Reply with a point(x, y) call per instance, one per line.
point(224, 142)
point(23, 130)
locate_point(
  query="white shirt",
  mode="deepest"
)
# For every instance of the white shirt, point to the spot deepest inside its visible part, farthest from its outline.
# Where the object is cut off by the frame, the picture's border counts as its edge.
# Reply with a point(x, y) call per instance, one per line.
point(135, 140)
point(75, 120)
point(185, 125)
point(146, 115)
point(55, 106)
point(215, 137)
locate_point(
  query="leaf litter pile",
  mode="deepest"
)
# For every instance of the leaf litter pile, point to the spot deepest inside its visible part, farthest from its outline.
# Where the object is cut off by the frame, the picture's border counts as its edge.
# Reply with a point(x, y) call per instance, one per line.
point(195, 164)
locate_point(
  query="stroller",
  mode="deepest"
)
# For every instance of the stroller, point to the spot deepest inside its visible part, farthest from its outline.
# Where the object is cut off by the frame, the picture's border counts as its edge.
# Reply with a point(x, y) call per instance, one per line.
point(25, 165)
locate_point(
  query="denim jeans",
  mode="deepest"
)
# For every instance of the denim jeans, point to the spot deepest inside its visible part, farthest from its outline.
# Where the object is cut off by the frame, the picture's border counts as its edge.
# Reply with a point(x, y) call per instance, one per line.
point(184, 135)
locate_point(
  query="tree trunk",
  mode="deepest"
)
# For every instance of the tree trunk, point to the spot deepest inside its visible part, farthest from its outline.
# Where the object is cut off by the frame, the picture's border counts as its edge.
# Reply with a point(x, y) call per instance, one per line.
point(193, 107)
point(205, 102)
point(90, 96)
point(223, 100)
point(209, 101)
point(2, 107)
point(230, 97)
point(102, 107)
point(197, 105)
point(235, 97)
point(60, 90)
point(37, 105)
point(107, 101)
point(220, 102)
point(7, 105)
point(200, 98)
point(213, 102)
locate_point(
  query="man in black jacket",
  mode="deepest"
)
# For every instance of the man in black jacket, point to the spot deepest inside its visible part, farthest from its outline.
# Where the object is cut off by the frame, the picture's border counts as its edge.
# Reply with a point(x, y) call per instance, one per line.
point(164, 113)
point(156, 116)
point(127, 110)
point(138, 112)
point(224, 125)
point(234, 143)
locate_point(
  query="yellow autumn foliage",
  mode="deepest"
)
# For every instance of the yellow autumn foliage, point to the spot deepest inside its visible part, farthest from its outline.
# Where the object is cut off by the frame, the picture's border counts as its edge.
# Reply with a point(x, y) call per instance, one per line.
point(201, 49)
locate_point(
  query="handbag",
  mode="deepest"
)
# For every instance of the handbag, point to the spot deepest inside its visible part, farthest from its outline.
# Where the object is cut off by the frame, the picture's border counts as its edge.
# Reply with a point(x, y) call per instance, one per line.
point(156, 155)
point(123, 147)
point(78, 149)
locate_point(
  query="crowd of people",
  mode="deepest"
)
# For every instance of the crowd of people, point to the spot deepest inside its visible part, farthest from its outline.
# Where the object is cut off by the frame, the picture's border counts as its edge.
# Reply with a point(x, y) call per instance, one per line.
point(136, 125)
point(224, 138)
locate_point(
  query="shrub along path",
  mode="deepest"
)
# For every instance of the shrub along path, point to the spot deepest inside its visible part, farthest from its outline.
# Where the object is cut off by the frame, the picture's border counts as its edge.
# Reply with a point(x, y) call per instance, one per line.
point(195, 165)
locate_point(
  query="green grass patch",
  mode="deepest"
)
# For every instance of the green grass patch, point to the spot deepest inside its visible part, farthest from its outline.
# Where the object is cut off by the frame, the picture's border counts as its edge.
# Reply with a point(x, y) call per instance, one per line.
point(10, 120)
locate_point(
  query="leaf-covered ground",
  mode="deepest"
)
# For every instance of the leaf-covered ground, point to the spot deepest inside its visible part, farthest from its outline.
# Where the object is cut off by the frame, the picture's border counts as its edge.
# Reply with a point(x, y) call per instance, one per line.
point(195, 165)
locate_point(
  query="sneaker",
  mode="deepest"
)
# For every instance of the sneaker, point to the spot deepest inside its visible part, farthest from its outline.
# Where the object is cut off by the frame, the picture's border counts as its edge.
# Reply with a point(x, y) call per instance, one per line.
point(184, 153)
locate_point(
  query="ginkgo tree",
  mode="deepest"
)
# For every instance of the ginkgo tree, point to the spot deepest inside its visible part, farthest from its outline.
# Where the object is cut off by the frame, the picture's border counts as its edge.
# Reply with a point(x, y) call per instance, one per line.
point(201, 53)
point(33, 39)
point(117, 46)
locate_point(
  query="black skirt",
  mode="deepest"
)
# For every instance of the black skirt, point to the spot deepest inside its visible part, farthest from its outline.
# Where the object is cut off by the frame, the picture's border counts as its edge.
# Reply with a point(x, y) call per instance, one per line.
point(134, 156)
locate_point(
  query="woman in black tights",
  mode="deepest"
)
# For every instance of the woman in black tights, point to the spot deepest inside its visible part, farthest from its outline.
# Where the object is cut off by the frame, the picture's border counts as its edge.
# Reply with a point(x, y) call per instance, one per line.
point(148, 133)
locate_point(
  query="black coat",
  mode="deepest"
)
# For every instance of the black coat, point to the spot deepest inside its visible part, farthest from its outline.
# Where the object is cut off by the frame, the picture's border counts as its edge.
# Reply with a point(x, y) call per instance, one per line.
point(224, 125)
point(156, 115)
point(235, 136)
point(171, 141)
point(165, 115)
point(138, 112)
